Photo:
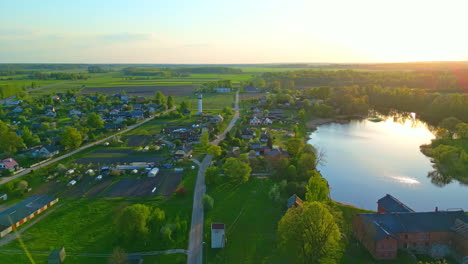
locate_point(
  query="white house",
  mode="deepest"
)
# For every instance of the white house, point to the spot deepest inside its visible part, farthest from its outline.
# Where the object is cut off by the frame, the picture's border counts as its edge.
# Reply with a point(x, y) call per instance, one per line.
point(222, 90)
point(267, 122)
point(255, 121)
point(218, 238)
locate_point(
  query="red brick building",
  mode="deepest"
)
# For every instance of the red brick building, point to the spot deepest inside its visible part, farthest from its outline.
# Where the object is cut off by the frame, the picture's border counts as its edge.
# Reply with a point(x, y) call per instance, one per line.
point(397, 227)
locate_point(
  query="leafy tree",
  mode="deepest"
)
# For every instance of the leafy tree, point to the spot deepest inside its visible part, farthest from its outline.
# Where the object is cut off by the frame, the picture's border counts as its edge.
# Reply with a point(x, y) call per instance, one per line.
point(462, 130)
point(306, 163)
point(94, 121)
point(310, 230)
point(71, 138)
point(213, 150)
point(29, 138)
point(184, 105)
point(291, 173)
point(212, 175)
point(228, 110)
point(10, 142)
point(157, 218)
point(208, 202)
point(22, 185)
point(295, 146)
point(449, 123)
point(237, 170)
point(170, 102)
point(133, 221)
point(317, 188)
point(159, 98)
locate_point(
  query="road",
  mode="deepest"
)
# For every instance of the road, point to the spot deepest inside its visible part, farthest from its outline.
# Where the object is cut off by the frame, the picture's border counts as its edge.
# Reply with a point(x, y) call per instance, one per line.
point(195, 250)
point(28, 170)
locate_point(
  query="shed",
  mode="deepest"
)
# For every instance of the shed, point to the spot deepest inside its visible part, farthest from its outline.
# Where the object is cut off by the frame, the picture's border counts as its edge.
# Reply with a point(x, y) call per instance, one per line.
point(57, 256)
point(218, 239)
point(294, 201)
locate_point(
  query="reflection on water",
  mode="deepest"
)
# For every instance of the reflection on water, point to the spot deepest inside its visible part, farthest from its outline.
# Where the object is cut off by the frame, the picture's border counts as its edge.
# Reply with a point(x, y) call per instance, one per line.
point(366, 160)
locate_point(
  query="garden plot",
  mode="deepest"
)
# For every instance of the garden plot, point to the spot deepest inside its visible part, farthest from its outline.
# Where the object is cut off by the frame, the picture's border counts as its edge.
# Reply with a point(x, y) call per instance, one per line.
point(173, 90)
point(114, 156)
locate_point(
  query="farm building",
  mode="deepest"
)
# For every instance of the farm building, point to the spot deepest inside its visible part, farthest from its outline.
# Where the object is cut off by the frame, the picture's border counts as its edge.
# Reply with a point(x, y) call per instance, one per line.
point(57, 256)
point(222, 90)
point(436, 233)
point(24, 211)
point(218, 239)
point(9, 164)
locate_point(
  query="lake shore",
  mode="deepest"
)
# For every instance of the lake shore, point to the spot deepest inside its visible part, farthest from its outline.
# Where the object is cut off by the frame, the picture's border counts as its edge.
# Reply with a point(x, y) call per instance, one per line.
point(341, 119)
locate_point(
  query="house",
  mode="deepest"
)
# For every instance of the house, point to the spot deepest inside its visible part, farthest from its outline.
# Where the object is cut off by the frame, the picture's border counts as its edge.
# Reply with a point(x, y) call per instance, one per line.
point(57, 256)
point(247, 133)
point(218, 238)
point(234, 153)
point(294, 201)
point(75, 112)
point(267, 122)
point(152, 108)
point(18, 109)
point(264, 137)
point(113, 127)
point(437, 233)
point(44, 151)
point(275, 153)
point(124, 98)
point(137, 106)
point(216, 119)
point(389, 204)
point(9, 164)
point(140, 99)
point(50, 111)
point(222, 90)
point(250, 89)
point(114, 112)
point(257, 110)
point(24, 211)
point(184, 151)
point(56, 98)
point(255, 121)
point(138, 115)
point(101, 108)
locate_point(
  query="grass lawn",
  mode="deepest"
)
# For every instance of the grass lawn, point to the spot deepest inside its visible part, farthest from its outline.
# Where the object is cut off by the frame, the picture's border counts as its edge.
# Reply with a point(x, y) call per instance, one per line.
point(87, 225)
point(251, 221)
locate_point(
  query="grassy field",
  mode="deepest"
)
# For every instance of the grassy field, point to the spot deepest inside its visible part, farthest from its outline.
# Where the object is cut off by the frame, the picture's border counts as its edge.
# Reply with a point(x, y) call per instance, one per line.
point(211, 101)
point(87, 225)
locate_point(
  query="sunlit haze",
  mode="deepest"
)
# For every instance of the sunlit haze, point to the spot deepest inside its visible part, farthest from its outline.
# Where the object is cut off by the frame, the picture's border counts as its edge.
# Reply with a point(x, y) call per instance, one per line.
point(232, 31)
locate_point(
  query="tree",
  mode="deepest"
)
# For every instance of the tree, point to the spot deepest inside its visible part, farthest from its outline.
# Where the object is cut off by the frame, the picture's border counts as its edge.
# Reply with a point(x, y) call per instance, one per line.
point(94, 121)
point(208, 202)
point(170, 102)
point(29, 138)
point(159, 98)
point(213, 150)
point(205, 138)
point(449, 123)
point(462, 130)
point(157, 218)
point(118, 256)
point(184, 105)
point(22, 186)
point(291, 173)
point(317, 188)
point(133, 221)
point(212, 175)
point(10, 142)
point(295, 146)
point(310, 230)
point(306, 163)
point(71, 138)
point(237, 170)
point(228, 110)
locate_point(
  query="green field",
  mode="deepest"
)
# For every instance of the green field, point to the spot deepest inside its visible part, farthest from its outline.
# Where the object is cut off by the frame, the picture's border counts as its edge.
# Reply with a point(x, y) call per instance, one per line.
point(211, 101)
point(87, 225)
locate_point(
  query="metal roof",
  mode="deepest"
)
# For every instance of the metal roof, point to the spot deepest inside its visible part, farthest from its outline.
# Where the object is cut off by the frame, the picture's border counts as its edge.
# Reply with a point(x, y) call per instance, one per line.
point(393, 205)
point(23, 209)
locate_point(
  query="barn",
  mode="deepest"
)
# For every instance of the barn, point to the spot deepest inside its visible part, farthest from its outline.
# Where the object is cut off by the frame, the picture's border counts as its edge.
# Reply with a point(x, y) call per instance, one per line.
point(24, 211)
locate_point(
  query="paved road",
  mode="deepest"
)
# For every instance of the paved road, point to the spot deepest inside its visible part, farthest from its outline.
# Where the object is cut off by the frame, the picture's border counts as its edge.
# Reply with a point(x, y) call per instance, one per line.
point(195, 250)
point(26, 171)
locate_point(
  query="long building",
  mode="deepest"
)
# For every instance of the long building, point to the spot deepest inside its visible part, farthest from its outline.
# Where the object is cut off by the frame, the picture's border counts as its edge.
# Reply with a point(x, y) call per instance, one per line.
point(24, 211)
point(397, 227)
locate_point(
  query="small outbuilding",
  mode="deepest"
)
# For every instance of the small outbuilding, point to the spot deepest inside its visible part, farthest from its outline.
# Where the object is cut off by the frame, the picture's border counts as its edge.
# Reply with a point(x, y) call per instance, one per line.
point(57, 256)
point(218, 238)
point(294, 201)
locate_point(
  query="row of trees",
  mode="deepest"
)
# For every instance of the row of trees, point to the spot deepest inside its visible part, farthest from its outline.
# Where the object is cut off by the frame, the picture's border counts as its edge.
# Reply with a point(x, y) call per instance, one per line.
point(40, 75)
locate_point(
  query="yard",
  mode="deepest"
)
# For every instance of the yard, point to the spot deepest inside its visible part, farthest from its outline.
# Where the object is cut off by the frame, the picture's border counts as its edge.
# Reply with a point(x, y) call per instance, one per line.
point(87, 225)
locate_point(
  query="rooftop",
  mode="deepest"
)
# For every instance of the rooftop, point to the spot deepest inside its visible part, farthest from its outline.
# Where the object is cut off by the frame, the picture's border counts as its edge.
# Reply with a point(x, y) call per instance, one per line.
point(23, 209)
point(393, 205)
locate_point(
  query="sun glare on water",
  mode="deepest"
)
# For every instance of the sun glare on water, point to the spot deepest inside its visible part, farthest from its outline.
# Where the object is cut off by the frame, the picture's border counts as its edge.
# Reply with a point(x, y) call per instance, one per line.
point(405, 180)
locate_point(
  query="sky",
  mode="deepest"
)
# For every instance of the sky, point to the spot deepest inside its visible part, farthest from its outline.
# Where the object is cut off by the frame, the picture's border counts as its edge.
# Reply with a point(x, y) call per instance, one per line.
point(230, 32)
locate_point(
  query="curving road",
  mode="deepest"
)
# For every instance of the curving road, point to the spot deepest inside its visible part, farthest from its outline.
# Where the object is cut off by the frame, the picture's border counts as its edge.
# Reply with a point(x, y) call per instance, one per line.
point(195, 250)
point(101, 141)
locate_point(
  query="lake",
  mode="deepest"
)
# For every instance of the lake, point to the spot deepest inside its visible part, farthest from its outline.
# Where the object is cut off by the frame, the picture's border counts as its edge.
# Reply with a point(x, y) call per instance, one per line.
point(365, 160)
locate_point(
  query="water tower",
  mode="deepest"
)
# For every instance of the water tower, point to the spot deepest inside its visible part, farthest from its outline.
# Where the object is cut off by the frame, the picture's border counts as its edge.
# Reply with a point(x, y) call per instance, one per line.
point(200, 104)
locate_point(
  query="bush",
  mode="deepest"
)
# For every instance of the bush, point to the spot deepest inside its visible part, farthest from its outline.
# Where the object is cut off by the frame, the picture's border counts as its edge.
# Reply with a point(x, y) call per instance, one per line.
point(208, 202)
point(181, 191)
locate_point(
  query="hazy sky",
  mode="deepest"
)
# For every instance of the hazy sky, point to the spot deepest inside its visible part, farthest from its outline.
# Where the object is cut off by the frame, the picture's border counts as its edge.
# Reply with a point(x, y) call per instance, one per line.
point(235, 31)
